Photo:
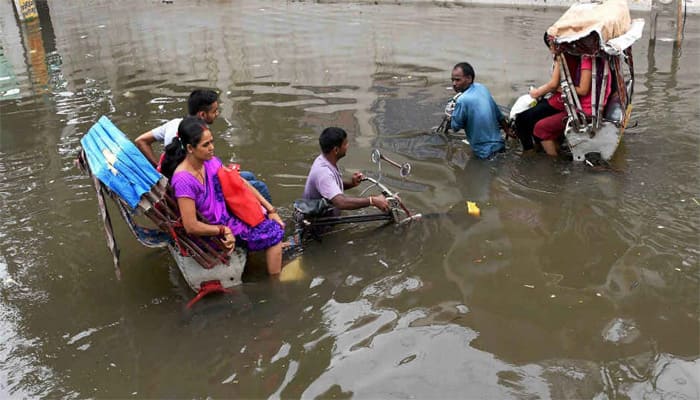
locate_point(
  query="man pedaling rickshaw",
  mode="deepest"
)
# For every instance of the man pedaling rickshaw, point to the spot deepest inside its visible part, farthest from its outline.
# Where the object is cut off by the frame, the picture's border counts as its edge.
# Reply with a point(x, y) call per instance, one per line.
point(324, 196)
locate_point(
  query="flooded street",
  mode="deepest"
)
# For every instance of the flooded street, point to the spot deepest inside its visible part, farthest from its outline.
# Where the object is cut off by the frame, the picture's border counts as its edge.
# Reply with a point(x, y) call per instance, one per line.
point(573, 283)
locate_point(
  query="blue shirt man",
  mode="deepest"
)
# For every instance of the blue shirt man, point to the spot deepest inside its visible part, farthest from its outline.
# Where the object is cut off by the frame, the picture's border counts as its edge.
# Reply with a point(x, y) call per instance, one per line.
point(477, 113)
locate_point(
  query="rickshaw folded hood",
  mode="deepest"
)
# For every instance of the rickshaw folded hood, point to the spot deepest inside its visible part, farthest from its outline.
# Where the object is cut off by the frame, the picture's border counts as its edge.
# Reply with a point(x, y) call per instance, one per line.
point(610, 19)
point(118, 164)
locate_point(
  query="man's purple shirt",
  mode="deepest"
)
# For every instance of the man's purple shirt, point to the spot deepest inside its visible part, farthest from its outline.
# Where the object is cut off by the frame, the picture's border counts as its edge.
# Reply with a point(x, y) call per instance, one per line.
point(324, 180)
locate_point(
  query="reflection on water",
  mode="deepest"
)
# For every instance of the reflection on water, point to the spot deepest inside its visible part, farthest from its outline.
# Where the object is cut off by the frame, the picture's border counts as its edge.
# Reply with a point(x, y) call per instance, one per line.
point(572, 283)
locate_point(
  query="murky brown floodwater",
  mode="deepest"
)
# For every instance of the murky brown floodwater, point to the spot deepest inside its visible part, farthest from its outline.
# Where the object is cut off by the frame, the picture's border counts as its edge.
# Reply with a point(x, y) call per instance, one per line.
point(572, 284)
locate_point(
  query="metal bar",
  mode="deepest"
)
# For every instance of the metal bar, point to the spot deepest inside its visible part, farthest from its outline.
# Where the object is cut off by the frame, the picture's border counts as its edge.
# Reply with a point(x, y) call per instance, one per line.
point(680, 21)
point(601, 96)
point(392, 162)
point(196, 251)
point(570, 81)
point(199, 245)
point(107, 226)
point(444, 126)
point(403, 207)
point(594, 88)
point(324, 221)
point(566, 84)
point(217, 253)
point(204, 258)
point(630, 62)
point(201, 258)
point(389, 194)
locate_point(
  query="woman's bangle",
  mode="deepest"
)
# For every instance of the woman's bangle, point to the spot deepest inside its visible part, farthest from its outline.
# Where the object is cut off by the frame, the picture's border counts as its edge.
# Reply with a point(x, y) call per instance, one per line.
point(273, 210)
point(370, 201)
point(222, 230)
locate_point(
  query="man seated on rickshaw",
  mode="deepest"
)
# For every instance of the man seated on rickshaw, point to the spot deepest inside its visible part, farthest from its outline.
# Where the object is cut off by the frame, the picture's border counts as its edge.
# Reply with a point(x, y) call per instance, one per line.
point(325, 181)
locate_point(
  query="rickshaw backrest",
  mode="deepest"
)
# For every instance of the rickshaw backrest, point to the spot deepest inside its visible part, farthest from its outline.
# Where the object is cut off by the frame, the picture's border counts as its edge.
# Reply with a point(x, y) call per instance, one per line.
point(123, 172)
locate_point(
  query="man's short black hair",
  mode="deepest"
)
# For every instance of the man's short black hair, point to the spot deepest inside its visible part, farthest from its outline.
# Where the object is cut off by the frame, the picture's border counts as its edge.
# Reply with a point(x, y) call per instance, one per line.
point(201, 100)
point(467, 69)
point(330, 138)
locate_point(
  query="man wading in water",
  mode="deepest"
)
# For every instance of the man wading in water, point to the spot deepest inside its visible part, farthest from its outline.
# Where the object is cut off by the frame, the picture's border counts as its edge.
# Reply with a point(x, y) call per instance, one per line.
point(477, 113)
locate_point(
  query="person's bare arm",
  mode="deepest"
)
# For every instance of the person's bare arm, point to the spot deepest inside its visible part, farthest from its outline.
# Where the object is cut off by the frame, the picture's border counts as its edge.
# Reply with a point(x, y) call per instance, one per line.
point(271, 210)
point(343, 202)
point(584, 85)
point(550, 86)
point(354, 180)
point(145, 143)
point(193, 226)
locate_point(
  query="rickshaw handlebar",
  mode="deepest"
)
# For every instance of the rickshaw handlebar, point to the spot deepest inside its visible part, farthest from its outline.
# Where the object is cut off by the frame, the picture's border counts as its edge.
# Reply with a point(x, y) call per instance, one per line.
point(385, 190)
point(391, 196)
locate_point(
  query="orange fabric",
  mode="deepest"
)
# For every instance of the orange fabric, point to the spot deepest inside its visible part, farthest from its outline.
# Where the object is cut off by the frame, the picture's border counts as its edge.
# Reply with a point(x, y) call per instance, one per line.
point(240, 200)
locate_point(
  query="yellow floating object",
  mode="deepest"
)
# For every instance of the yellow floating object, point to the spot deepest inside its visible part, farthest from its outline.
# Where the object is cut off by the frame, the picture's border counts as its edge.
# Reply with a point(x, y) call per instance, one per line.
point(472, 209)
point(292, 271)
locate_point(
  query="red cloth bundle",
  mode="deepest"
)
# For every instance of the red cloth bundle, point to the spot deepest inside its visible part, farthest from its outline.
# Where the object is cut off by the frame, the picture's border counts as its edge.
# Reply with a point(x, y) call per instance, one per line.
point(240, 200)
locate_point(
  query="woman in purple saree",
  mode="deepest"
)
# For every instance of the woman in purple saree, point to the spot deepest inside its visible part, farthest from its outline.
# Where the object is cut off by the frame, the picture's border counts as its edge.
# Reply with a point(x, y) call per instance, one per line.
point(191, 166)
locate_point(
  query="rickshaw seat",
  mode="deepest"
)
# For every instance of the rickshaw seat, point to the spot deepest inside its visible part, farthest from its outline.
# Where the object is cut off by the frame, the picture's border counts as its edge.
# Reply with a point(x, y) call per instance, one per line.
point(313, 208)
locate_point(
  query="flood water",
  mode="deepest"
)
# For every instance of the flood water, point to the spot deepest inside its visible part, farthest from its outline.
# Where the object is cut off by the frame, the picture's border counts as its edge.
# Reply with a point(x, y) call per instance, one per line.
point(573, 283)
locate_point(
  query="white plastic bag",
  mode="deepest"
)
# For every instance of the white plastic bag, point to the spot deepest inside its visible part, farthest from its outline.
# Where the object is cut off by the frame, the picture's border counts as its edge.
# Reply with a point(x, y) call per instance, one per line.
point(523, 103)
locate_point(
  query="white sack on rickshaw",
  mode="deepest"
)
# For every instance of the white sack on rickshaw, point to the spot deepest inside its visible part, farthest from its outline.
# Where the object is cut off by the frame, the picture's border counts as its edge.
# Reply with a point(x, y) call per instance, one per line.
point(523, 103)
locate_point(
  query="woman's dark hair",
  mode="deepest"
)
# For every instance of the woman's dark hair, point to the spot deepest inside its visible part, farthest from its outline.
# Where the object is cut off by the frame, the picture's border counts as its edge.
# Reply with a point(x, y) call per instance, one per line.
point(189, 132)
point(330, 138)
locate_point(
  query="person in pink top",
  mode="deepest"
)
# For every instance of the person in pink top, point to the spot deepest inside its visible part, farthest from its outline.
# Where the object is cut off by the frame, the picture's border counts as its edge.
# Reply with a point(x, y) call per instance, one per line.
point(547, 120)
